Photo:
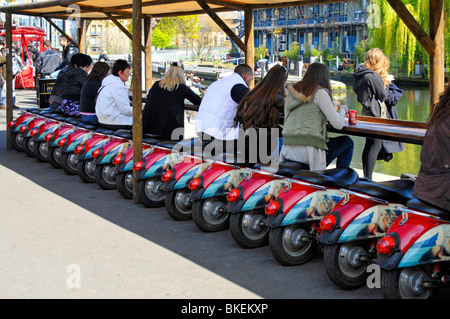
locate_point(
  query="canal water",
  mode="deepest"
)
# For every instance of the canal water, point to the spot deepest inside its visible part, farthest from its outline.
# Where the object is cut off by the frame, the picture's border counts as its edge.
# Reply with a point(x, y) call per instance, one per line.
point(414, 105)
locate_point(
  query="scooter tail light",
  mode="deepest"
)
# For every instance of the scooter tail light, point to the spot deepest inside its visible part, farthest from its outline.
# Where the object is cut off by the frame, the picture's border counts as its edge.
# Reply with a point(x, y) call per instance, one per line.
point(328, 222)
point(137, 165)
point(117, 159)
point(33, 132)
point(11, 124)
point(233, 195)
point(78, 149)
point(48, 137)
point(386, 245)
point(272, 208)
point(96, 152)
point(61, 142)
point(194, 184)
point(166, 176)
point(22, 128)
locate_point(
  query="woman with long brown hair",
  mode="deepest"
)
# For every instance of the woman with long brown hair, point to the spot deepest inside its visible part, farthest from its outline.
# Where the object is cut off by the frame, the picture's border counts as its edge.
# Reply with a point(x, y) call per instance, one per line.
point(433, 181)
point(262, 108)
point(308, 108)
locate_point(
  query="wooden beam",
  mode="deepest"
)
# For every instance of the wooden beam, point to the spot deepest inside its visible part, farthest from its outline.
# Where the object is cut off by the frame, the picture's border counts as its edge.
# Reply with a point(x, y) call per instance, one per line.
point(8, 77)
point(222, 25)
point(437, 59)
point(62, 32)
point(137, 89)
point(148, 53)
point(411, 23)
point(123, 29)
point(249, 41)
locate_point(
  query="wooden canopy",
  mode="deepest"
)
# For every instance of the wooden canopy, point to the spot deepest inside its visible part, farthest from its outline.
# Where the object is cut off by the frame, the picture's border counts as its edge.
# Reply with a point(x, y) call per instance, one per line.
point(144, 10)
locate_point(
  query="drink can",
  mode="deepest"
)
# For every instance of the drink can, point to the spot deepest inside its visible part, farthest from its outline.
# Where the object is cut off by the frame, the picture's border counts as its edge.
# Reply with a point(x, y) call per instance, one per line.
point(352, 118)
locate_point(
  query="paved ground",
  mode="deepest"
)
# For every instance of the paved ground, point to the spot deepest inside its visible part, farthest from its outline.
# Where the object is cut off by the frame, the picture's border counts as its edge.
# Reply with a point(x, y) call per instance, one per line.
point(62, 238)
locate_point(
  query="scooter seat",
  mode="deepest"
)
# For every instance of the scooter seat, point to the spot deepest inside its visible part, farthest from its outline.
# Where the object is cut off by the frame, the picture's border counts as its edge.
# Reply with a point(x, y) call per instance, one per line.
point(335, 177)
point(190, 145)
point(36, 110)
point(87, 126)
point(103, 130)
point(396, 191)
point(127, 134)
point(73, 120)
point(167, 144)
point(58, 117)
point(425, 207)
point(285, 168)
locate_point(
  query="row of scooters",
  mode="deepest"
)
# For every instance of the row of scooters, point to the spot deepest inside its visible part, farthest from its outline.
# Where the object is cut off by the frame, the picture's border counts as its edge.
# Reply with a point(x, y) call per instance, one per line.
point(353, 221)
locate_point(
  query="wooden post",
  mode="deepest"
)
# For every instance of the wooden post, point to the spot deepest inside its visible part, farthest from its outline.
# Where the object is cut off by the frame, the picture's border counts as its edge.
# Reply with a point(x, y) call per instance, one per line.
point(249, 40)
point(137, 89)
point(437, 59)
point(82, 36)
point(9, 77)
point(148, 54)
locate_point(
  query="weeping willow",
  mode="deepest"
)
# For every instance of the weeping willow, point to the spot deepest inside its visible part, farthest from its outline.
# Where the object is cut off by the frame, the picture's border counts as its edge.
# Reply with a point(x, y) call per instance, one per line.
point(394, 38)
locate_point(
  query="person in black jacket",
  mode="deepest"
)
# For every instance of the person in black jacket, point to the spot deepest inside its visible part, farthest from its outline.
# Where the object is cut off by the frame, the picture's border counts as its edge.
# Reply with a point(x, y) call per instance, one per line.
point(74, 78)
point(371, 83)
point(163, 113)
point(89, 91)
point(69, 50)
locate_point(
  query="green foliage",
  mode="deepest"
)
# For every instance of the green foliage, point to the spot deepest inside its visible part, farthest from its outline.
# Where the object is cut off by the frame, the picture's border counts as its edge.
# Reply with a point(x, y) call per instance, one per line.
point(260, 52)
point(360, 51)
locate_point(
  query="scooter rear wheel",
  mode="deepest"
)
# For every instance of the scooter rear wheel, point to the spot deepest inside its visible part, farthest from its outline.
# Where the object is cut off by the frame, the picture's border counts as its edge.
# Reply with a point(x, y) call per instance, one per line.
point(16, 141)
point(405, 283)
point(291, 245)
point(104, 176)
point(69, 163)
point(54, 157)
point(86, 170)
point(28, 143)
point(178, 204)
point(211, 214)
point(344, 266)
point(40, 150)
point(150, 193)
point(124, 184)
point(248, 229)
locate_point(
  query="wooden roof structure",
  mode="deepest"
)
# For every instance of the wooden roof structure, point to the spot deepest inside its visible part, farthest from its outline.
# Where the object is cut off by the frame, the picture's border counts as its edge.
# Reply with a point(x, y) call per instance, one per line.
point(145, 10)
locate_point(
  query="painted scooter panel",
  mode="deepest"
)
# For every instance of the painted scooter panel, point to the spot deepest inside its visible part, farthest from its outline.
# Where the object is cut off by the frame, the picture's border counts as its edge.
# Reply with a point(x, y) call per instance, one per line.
point(34, 123)
point(95, 142)
point(164, 163)
point(184, 176)
point(226, 182)
point(77, 137)
point(46, 128)
point(111, 148)
point(312, 206)
point(433, 246)
point(265, 193)
point(374, 222)
point(61, 132)
point(22, 120)
point(127, 162)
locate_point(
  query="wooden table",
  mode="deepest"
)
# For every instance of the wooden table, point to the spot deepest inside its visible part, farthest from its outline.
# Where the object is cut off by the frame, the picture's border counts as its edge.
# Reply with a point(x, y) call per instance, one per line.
point(385, 129)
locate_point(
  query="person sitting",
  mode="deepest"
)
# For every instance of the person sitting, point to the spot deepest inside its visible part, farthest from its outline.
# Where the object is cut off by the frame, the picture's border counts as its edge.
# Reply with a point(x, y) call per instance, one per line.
point(261, 108)
point(433, 181)
point(89, 92)
point(308, 107)
point(215, 118)
point(73, 79)
point(163, 113)
point(113, 108)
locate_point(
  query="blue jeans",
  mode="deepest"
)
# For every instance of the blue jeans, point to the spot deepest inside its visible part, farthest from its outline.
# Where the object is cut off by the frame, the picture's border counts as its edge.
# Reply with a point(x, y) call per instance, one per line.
point(91, 119)
point(340, 147)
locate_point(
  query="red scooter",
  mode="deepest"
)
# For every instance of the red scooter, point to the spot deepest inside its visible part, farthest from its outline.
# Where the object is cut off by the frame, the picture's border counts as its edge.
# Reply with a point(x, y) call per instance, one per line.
point(414, 255)
point(350, 233)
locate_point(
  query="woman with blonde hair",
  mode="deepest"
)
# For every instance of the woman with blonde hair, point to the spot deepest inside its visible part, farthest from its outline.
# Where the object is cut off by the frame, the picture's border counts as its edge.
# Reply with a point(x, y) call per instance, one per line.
point(164, 110)
point(371, 86)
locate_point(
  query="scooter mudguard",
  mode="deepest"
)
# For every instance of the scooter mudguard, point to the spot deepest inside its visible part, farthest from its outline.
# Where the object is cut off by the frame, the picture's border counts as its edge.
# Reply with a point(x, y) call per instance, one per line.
point(110, 149)
point(264, 194)
point(126, 159)
point(419, 239)
point(92, 144)
point(313, 206)
point(191, 167)
point(60, 133)
point(22, 120)
point(208, 176)
point(159, 161)
point(226, 182)
point(77, 137)
point(259, 189)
